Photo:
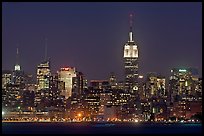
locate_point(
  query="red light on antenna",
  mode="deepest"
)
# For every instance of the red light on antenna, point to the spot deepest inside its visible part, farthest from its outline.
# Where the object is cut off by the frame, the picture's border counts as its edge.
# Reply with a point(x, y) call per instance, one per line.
point(65, 69)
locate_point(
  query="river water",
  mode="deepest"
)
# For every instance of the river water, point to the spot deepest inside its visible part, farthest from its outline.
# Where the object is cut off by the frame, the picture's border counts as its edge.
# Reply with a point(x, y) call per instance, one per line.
point(99, 128)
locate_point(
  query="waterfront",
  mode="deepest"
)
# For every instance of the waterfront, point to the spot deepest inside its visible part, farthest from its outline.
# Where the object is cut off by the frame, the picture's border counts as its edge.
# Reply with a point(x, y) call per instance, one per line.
point(95, 76)
point(100, 128)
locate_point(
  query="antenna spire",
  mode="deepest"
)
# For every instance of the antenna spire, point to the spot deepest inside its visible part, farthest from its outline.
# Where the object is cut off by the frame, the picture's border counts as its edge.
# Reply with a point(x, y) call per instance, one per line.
point(130, 33)
point(45, 49)
point(17, 51)
point(17, 66)
point(130, 17)
point(17, 55)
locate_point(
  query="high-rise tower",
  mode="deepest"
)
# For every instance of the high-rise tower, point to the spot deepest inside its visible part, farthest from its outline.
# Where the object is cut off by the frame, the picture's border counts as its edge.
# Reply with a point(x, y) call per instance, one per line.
point(43, 72)
point(131, 62)
point(43, 75)
point(18, 74)
point(66, 75)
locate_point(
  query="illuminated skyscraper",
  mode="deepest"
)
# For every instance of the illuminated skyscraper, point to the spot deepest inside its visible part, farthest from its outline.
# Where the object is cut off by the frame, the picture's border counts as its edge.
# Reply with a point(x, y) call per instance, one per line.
point(183, 83)
point(6, 78)
point(43, 72)
point(18, 74)
point(131, 62)
point(77, 84)
point(66, 75)
point(43, 75)
point(43, 83)
point(155, 85)
point(112, 80)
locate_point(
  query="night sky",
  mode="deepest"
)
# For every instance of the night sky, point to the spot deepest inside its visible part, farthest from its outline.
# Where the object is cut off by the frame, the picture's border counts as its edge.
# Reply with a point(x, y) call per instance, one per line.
point(91, 36)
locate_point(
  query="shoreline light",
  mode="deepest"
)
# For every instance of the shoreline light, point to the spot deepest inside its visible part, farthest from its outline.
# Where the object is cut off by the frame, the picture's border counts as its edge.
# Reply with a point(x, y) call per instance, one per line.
point(182, 70)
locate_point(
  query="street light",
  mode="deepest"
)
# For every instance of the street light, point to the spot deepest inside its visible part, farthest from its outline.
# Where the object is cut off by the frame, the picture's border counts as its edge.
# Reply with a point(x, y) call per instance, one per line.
point(79, 114)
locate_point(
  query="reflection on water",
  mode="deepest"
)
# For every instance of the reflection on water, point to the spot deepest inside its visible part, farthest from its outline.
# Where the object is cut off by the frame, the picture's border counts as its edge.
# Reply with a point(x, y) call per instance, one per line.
point(103, 125)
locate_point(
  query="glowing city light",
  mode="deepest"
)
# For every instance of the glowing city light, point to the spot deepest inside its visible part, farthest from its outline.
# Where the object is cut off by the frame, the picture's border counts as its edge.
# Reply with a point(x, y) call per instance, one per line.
point(136, 120)
point(182, 70)
point(66, 87)
point(79, 114)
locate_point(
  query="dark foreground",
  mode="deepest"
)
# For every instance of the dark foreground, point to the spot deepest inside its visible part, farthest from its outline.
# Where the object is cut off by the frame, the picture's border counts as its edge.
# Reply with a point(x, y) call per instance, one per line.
point(100, 128)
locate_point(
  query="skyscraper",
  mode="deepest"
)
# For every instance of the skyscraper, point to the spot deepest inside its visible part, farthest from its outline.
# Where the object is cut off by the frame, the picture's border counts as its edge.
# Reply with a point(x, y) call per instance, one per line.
point(154, 85)
point(6, 78)
point(183, 83)
point(18, 74)
point(66, 75)
point(43, 75)
point(12, 86)
point(131, 62)
point(112, 80)
point(77, 84)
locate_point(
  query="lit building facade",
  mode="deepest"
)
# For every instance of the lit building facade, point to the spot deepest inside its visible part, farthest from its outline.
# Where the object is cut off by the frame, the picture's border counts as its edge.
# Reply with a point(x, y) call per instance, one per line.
point(112, 81)
point(155, 85)
point(198, 89)
point(184, 93)
point(100, 84)
point(91, 101)
point(77, 84)
point(28, 98)
point(66, 75)
point(183, 84)
point(131, 63)
point(14, 97)
point(158, 108)
point(43, 75)
point(85, 83)
point(18, 76)
point(179, 109)
point(6, 78)
point(146, 109)
point(77, 90)
point(56, 99)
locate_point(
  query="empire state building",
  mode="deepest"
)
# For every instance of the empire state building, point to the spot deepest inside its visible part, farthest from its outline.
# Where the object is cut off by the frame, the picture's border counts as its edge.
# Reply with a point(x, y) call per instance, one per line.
point(131, 62)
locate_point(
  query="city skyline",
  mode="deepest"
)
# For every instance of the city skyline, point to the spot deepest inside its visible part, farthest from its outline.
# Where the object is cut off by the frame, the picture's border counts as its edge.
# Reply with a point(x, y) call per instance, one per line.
point(98, 35)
